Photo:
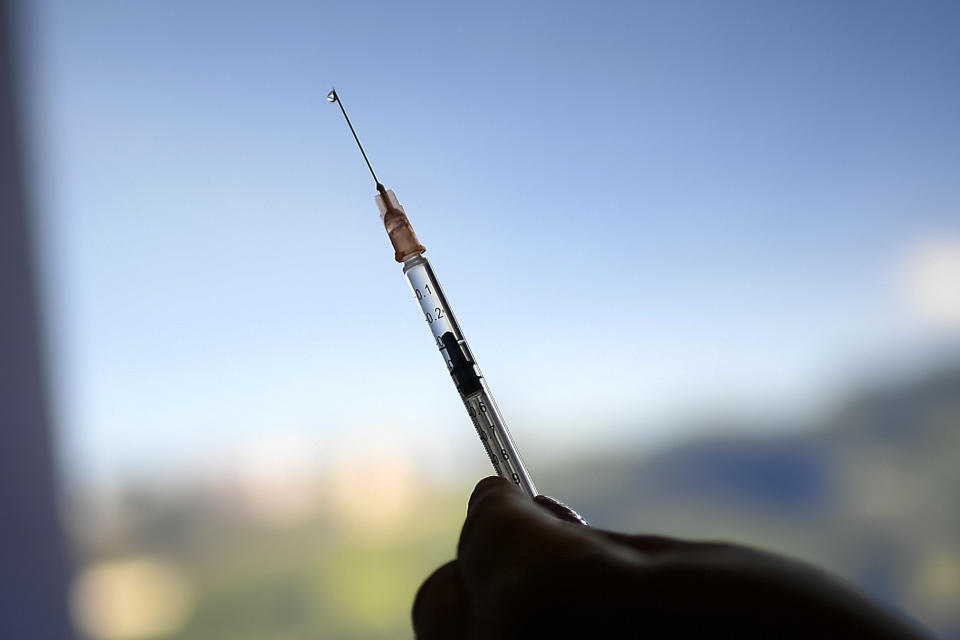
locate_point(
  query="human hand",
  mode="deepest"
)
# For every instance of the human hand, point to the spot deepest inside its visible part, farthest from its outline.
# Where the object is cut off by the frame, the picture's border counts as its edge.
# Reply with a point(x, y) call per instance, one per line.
point(521, 571)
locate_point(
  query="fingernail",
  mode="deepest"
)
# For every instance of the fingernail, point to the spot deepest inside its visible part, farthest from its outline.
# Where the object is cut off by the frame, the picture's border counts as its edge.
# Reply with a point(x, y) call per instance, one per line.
point(560, 510)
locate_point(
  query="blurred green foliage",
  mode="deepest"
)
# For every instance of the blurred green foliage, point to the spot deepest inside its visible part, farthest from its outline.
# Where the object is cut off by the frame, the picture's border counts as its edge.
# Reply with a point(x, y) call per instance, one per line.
point(869, 492)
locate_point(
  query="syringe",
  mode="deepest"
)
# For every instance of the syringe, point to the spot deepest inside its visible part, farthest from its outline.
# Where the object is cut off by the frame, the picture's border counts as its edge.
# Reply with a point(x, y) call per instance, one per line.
point(463, 368)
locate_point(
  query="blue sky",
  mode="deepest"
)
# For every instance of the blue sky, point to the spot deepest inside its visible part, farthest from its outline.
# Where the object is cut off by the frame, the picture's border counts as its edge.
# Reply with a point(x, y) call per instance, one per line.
point(640, 212)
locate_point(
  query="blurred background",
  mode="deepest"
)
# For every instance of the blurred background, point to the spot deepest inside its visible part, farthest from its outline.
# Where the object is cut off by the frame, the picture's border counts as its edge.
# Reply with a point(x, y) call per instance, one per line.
point(708, 255)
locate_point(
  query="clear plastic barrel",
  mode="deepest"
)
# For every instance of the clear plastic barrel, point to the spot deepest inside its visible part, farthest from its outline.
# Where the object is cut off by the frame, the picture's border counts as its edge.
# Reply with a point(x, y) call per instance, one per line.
point(466, 375)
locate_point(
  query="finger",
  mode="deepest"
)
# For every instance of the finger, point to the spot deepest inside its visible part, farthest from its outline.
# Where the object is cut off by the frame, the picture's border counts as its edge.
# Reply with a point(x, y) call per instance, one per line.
point(497, 511)
point(490, 484)
point(439, 609)
point(560, 510)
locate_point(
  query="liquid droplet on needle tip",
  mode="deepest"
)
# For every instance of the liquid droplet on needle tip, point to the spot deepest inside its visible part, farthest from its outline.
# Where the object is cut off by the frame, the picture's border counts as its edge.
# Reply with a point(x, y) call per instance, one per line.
point(332, 96)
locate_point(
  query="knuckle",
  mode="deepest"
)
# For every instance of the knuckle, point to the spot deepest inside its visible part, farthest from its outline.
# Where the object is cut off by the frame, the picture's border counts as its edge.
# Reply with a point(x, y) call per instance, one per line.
point(439, 585)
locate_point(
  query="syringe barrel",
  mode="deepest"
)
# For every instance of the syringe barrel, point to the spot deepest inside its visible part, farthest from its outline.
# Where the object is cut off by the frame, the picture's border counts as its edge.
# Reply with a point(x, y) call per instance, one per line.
point(466, 375)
